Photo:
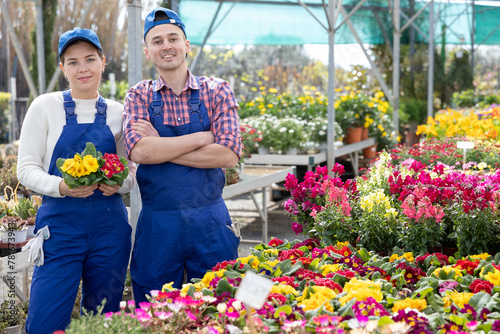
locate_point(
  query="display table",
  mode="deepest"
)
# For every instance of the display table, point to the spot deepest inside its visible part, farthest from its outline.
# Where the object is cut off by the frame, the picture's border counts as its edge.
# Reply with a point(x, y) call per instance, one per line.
point(258, 177)
point(310, 160)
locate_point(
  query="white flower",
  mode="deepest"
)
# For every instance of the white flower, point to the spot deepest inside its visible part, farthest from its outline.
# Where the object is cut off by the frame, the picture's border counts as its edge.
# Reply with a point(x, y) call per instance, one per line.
point(282, 129)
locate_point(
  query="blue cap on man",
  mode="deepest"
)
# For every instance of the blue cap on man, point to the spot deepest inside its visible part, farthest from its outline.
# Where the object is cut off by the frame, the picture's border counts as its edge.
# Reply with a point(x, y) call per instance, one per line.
point(172, 18)
point(78, 34)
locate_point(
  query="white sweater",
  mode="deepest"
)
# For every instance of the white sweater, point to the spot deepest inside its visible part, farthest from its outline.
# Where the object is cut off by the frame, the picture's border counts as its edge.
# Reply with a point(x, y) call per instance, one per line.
point(41, 130)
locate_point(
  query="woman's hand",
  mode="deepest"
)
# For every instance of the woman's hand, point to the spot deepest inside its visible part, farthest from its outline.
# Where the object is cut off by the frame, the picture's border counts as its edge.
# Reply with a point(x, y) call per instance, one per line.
point(145, 128)
point(79, 192)
point(108, 190)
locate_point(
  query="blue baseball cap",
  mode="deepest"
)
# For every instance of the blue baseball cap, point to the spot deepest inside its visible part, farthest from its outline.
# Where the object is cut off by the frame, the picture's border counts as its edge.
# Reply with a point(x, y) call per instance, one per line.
point(78, 34)
point(173, 18)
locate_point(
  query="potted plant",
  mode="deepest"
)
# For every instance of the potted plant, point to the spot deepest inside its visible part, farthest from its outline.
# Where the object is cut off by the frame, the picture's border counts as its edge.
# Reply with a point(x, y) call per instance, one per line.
point(15, 227)
point(349, 113)
point(12, 316)
point(26, 209)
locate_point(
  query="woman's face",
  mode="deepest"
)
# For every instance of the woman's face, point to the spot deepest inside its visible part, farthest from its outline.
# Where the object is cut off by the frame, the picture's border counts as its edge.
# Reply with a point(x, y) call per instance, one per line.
point(83, 67)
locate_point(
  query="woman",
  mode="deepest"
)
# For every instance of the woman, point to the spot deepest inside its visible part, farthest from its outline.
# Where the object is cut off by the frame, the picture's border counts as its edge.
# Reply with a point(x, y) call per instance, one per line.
point(90, 237)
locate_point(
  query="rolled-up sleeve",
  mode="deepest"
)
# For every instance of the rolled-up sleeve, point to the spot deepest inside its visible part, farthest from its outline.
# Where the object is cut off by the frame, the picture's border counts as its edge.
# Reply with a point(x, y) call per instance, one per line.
point(136, 107)
point(225, 124)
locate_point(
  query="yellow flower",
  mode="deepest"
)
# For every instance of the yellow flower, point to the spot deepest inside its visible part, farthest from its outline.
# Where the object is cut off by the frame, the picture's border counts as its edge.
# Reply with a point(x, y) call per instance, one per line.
point(447, 270)
point(347, 87)
point(493, 277)
point(318, 295)
point(459, 298)
point(90, 163)
point(168, 287)
point(283, 289)
point(273, 90)
point(68, 164)
point(361, 290)
point(482, 256)
point(255, 263)
point(330, 268)
point(419, 304)
point(81, 170)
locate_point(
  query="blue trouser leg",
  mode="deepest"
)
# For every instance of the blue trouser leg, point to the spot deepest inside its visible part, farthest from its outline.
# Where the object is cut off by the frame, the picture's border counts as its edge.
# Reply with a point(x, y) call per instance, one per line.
point(171, 241)
point(51, 303)
point(96, 250)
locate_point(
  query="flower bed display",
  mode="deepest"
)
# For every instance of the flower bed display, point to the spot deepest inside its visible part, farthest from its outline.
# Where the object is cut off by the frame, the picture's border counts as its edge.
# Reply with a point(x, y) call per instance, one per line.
point(300, 121)
point(318, 289)
point(409, 206)
point(483, 124)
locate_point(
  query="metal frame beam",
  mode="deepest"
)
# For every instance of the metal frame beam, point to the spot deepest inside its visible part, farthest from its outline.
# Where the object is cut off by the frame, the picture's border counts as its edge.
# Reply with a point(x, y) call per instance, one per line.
point(18, 49)
point(58, 71)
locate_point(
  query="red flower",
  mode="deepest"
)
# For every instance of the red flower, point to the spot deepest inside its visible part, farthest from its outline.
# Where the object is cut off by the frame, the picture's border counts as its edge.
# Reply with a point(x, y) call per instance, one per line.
point(286, 280)
point(469, 266)
point(275, 242)
point(277, 298)
point(108, 171)
point(328, 283)
point(479, 285)
point(292, 254)
point(305, 260)
point(307, 274)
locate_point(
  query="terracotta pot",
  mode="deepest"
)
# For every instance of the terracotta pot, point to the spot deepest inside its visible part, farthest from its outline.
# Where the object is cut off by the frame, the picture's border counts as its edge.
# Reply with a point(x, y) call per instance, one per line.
point(364, 133)
point(370, 152)
point(353, 135)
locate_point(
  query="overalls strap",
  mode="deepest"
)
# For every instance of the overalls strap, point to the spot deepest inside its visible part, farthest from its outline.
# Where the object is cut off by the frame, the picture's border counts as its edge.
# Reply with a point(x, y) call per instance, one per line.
point(101, 106)
point(69, 107)
point(156, 106)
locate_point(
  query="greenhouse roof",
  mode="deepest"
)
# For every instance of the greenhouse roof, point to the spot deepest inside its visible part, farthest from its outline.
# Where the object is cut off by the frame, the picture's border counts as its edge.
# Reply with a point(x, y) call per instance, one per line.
point(282, 22)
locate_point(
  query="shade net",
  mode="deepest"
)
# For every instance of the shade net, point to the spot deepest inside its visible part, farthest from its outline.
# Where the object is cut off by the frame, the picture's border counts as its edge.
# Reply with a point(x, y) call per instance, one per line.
point(280, 22)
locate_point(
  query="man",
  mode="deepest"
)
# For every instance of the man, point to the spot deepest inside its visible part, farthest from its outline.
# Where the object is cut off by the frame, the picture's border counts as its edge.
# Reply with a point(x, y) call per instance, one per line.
point(182, 130)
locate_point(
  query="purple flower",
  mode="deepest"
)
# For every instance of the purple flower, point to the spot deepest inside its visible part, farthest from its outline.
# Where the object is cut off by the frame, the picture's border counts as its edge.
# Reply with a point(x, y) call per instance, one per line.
point(297, 228)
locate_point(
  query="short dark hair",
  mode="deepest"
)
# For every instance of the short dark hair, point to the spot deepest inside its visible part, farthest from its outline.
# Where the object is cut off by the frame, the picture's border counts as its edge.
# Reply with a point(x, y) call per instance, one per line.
point(160, 16)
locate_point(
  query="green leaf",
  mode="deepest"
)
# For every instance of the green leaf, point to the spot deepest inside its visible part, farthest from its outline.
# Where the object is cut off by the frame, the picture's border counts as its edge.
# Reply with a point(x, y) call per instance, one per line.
point(479, 300)
point(285, 308)
point(223, 286)
point(89, 150)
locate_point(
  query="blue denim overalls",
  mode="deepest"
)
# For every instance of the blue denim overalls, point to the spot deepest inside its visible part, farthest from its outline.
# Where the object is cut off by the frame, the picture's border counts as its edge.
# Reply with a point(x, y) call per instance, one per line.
point(184, 222)
point(90, 238)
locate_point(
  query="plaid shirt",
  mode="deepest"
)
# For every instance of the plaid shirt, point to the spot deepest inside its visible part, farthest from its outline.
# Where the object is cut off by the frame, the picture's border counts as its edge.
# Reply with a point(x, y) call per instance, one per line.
point(215, 93)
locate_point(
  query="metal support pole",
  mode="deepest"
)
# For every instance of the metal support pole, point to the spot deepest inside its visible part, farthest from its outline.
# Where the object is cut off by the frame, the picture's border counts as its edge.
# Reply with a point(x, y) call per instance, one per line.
point(395, 61)
point(13, 114)
point(209, 32)
point(430, 76)
point(473, 33)
point(17, 47)
point(134, 76)
point(331, 87)
point(40, 46)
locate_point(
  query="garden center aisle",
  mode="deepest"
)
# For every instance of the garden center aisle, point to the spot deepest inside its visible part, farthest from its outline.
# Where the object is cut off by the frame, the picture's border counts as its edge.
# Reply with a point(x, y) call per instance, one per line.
point(242, 210)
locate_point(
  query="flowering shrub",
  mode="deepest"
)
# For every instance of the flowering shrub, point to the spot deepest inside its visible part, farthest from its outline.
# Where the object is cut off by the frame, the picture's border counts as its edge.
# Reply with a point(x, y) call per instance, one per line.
point(308, 197)
point(279, 134)
point(451, 123)
point(250, 139)
point(289, 121)
point(484, 156)
point(357, 109)
point(324, 289)
point(408, 206)
point(90, 167)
